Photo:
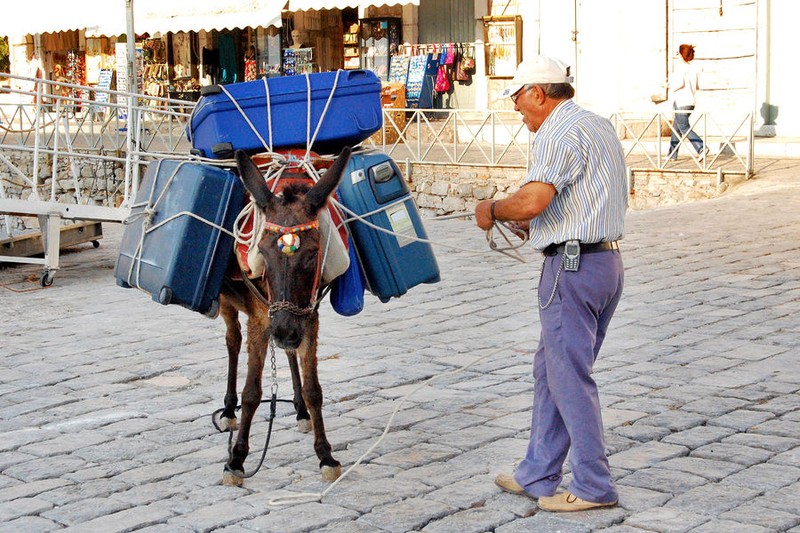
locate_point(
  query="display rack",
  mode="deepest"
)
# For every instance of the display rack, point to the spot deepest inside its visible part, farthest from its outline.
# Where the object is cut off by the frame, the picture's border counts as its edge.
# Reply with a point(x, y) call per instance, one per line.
point(380, 38)
point(155, 68)
point(298, 61)
point(503, 38)
point(352, 52)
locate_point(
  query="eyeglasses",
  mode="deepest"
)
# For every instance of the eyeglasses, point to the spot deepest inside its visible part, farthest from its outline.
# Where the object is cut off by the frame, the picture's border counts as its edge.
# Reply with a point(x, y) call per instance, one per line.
point(523, 90)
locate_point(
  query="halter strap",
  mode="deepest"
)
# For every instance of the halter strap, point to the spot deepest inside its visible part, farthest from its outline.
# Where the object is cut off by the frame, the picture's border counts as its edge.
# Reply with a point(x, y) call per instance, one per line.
point(283, 230)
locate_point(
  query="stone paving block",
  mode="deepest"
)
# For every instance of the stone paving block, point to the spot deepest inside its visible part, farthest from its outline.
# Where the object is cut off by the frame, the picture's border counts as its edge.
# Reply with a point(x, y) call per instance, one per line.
point(65, 443)
point(666, 520)
point(417, 455)
point(712, 499)
point(29, 524)
point(45, 468)
point(470, 492)
point(760, 516)
point(100, 471)
point(675, 420)
point(34, 488)
point(707, 468)
point(781, 427)
point(84, 510)
point(765, 477)
point(637, 499)
point(345, 526)
point(714, 406)
point(153, 473)
point(740, 420)
point(647, 454)
point(13, 440)
point(21, 507)
point(736, 453)
point(81, 490)
point(662, 480)
point(474, 437)
point(478, 520)
point(122, 521)
point(772, 443)
point(698, 436)
point(365, 492)
point(407, 515)
point(543, 523)
point(789, 458)
point(642, 432)
point(214, 515)
point(728, 526)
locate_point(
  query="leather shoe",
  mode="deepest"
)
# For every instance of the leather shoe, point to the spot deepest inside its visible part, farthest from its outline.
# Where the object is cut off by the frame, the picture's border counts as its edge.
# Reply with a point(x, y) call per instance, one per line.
point(509, 484)
point(565, 502)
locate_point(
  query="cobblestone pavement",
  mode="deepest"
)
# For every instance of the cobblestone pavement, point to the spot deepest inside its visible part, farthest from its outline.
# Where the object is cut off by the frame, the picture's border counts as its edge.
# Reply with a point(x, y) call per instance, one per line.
point(105, 396)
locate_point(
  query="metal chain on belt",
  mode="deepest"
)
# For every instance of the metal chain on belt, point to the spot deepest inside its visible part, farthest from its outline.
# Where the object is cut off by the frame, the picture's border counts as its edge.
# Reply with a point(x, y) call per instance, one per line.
point(555, 284)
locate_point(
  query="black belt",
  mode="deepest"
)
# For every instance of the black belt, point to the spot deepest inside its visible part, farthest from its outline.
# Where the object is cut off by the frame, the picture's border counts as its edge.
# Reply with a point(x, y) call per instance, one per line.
point(586, 248)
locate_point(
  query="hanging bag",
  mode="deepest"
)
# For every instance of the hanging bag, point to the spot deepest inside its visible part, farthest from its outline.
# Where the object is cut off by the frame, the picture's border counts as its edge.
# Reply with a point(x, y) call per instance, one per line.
point(468, 62)
point(449, 57)
point(442, 84)
point(347, 291)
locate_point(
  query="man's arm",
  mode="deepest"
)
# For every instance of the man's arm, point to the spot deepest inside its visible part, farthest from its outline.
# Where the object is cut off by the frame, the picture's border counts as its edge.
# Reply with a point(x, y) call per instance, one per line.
point(525, 204)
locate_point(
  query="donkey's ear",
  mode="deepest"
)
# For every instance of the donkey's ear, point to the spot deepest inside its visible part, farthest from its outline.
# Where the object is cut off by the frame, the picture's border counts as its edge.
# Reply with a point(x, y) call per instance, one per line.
point(318, 195)
point(253, 179)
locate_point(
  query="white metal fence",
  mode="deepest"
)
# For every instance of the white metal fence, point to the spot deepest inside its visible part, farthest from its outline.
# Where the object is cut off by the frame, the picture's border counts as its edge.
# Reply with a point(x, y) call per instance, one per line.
point(76, 153)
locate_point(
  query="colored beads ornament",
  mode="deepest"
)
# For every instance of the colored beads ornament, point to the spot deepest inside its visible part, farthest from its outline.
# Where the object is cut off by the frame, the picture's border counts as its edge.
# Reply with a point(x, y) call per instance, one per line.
point(288, 243)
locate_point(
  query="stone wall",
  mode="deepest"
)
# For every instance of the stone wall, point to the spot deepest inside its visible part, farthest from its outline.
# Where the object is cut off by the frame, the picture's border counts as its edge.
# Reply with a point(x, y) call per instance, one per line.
point(99, 183)
point(444, 190)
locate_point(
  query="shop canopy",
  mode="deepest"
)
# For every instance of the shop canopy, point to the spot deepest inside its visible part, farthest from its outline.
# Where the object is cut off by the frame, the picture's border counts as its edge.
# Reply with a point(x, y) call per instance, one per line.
point(109, 17)
point(305, 5)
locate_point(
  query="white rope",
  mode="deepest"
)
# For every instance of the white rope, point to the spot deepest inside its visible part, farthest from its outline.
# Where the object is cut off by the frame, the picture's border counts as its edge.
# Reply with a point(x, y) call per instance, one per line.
point(267, 147)
point(305, 497)
point(148, 211)
point(352, 215)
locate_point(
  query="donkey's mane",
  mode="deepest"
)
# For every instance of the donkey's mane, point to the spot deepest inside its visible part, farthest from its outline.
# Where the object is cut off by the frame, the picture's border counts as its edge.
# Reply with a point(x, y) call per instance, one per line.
point(293, 192)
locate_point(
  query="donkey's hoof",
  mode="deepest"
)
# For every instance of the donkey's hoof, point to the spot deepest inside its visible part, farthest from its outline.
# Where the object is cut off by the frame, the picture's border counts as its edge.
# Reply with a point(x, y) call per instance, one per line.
point(331, 473)
point(304, 425)
point(227, 424)
point(232, 478)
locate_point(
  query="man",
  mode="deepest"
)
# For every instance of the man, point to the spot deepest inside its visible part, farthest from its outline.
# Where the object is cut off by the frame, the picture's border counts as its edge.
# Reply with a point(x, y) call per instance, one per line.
point(573, 201)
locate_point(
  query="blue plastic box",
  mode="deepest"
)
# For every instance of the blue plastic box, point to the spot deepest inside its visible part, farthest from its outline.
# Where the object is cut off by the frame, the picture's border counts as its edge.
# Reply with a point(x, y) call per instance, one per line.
point(393, 263)
point(183, 260)
point(217, 127)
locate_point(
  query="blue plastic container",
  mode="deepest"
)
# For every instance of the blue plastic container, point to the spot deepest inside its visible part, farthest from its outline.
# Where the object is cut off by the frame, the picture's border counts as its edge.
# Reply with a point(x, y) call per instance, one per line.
point(217, 127)
point(183, 260)
point(393, 263)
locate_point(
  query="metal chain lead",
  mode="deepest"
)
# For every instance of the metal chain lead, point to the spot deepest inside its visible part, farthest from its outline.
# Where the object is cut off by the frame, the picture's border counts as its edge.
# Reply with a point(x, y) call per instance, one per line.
point(555, 284)
point(274, 367)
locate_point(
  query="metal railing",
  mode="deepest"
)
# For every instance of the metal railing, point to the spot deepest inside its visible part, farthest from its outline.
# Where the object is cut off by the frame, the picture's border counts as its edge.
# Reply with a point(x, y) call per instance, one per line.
point(67, 127)
point(646, 140)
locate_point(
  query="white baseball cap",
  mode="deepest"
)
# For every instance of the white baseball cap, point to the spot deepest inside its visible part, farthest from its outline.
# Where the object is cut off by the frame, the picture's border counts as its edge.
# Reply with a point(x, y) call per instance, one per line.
point(540, 69)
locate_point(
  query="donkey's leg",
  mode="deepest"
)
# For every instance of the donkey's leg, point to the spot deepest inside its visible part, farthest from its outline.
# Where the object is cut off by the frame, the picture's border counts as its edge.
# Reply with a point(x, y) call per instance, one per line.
point(233, 340)
point(257, 342)
point(330, 468)
point(303, 418)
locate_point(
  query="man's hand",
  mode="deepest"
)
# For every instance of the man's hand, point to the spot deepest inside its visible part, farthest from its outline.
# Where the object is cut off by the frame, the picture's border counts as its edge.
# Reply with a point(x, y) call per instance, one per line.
point(483, 215)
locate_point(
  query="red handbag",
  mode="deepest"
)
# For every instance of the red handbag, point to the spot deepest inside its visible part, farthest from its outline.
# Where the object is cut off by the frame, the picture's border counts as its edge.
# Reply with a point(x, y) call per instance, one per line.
point(442, 84)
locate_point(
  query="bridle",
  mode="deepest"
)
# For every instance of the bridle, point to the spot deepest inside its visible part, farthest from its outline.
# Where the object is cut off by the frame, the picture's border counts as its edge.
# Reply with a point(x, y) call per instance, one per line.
point(285, 305)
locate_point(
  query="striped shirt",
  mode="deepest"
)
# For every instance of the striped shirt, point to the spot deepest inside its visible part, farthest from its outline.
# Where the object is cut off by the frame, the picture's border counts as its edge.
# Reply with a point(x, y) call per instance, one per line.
point(578, 153)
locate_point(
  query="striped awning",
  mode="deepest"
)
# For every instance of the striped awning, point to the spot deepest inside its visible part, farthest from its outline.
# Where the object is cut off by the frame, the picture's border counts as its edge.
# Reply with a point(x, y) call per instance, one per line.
point(109, 17)
point(306, 5)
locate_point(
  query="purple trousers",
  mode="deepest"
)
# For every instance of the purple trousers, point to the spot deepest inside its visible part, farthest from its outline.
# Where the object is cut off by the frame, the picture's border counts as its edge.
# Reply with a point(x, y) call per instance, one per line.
point(566, 408)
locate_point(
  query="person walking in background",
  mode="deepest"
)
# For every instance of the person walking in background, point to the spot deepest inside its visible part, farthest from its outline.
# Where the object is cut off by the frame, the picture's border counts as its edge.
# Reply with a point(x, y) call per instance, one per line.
point(573, 202)
point(683, 82)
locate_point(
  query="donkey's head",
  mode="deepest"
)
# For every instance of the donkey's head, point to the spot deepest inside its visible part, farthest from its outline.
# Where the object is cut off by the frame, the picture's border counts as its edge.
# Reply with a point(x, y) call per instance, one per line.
point(290, 245)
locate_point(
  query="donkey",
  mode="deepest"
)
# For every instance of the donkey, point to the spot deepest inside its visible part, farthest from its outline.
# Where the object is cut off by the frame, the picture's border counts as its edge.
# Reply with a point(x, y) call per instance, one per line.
point(282, 304)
